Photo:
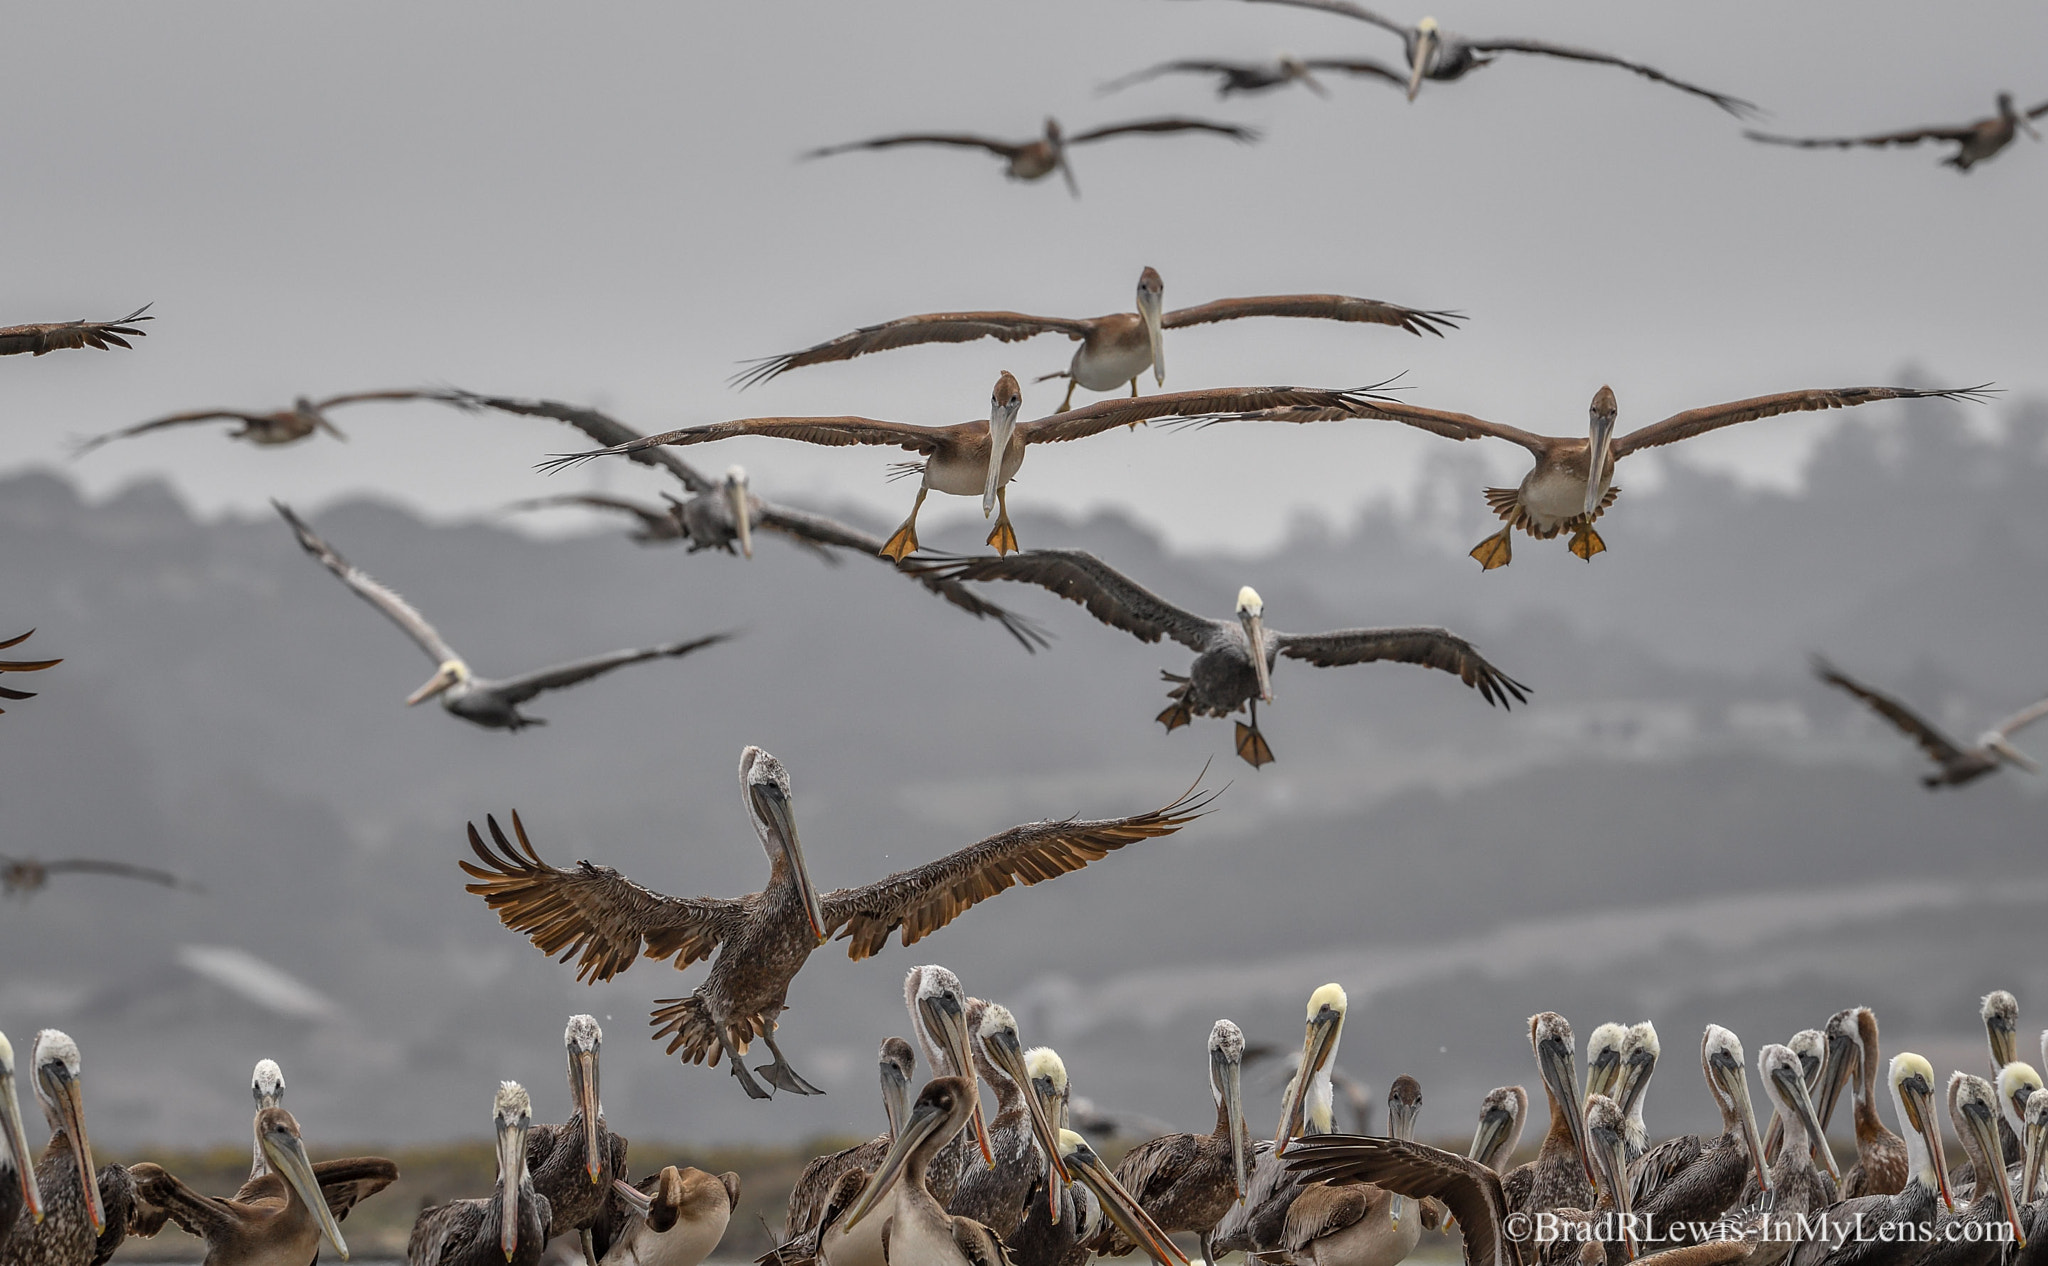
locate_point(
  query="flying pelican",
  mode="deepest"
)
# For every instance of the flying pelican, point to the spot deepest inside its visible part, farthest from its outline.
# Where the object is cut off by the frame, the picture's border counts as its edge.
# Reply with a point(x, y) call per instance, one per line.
point(1434, 53)
point(1251, 77)
point(21, 666)
point(721, 514)
point(821, 1179)
point(913, 1226)
point(1956, 765)
point(980, 458)
point(1975, 142)
point(57, 336)
point(28, 875)
point(1021, 1138)
point(678, 1217)
point(511, 1225)
point(1693, 1180)
point(1037, 159)
point(1572, 483)
point(1234, 659)
point(282, 1226)
point(87, 1212)
point(1853, 1224)
point(18, 1191)
point(573, 1163)
point(1187, 1182)
point(1257, 1223)
point(604, 919)
point(266, 1087)
point(1971, 1236)
point(1880, 1168)
point(488, 702)
point(1114, 349)
point(285, 426)
point(1354, 1224)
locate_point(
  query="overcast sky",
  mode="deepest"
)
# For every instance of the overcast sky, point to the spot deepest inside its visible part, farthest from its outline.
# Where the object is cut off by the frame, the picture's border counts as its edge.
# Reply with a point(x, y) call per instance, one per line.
point(604, 204)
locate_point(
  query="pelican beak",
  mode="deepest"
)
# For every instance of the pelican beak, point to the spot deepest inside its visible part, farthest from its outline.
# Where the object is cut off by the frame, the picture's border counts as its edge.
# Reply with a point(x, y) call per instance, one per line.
point(1917, 1098)
point(583, 1070)
point(2030, 1173)
point(638, 1200)
point(1611, 1151)
point(1735, 1081)
point(2026, 126)
point(1002, 423)
point(1834, 1074)
point(1148, 310)
point(286, 1153)
point(1117, 1204)
point(1793, 1086)
point(925, 1120)
point(775, 810)
point(742, 517)
point(1561, 1077)
point(1401, 1125)
point(68, 1098)
point(949, 1025)
point(1005, 1052)
point(1983, 1126)
point(1228, 1074)
point(1056, 1181)
point(1602, 1073)
point(1494, 1125)
point(1255, 636)
point(1425, 49)
point(895, 1097)
point(1313, 84)
point(511, 1172)
point(1600, 446)
point(2007, 752)
point(1317, 1044)
point(2003, 1039)
point(444, 677)
point(17, 1147)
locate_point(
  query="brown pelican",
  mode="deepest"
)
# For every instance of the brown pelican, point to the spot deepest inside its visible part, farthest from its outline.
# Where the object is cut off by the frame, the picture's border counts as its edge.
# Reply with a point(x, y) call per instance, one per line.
point(266, 1087)
point(678, 1217)
point(1235, 658)
point(1880, 1168)
point(1851, 1229)
point(604, 920)
point(489, 702)
point(2036, 1145)
point(57, 336)
point(1434, 53)
point(1975, 142)
point(1251, 77)
point(1037, 159)
point(1187, 1182)
point(1063, 1229)
point(1117, 1205)
point(2000, 1013)
point(980, 458)
point(21, 666)
point(1471, 1190)
point(721, 514)
point(938, 1007)
point(1021, 1141)
point(1562, 1174)
point(1695, 1180)
point(1603, 1059)
point(816, 1184)
point(28, 875)
point(268, 430)
point(282, 1224)
point(1499, 1133)
point(1572, 483)
point(1358, 1224)
point(86, 1212)
point(511, 1225)
point(573, 1163)
point(1971, 1236)
point(1114, 349)
point(18, 1191)
point(1639, 1052)
point(1810, 1045)
point(1797, 1185)
point(1257, 1223)
point(1955, 764)
point(912, 1226)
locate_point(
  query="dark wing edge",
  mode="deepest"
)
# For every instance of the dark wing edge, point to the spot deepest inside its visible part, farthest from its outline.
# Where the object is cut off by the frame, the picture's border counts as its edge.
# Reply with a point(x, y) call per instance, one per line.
point(1428, 647)
point(1932, 741)
point(1110, 596)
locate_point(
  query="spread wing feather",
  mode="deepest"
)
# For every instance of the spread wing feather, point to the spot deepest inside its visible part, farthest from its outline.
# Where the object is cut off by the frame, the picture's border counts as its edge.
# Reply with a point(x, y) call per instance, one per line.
point(1471, 1190)
point(1683, 426)
point(1432, 648)
point(1932, 741)
point(1318, 1211)
point(1321, 307)
point(1244, 135)
point(1911, 136)
point(601, 427)
point(930, 327)
point(1106, 415)
point(395, 608)
point(1078, 576)
point(345, 1183)
point(1733, 105)
point(1452, 426)
point(520, 689)
point(56, 336)
point(833, 432)
point(963, 139)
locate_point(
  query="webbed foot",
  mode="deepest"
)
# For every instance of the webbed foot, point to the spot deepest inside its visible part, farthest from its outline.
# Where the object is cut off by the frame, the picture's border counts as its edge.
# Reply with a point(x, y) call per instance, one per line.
point(903, 544)
point(1251, 745)
point(1494, 551)
point(1586, 543)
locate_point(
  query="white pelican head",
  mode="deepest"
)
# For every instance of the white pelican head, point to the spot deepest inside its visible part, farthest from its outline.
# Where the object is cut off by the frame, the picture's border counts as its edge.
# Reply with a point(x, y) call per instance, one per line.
point(1603, 1058)
point(1151, 295)
point(1326, 1008)
point(2017, 1082)
point(449, 675)
point(1912, 1082)
point(1785, 1081)
point(1004, 403)
point(1721, 1062)
point(582, 1038)
point(734, 486)
point(1551, 1041)
point(2001, 749)
point(1973, 1109)
point(1118, 1205)
point(58, 1071)
point(997, 1034)
point(15, 1137)
point(2000, 1012)
point(1226, 1087)
point(1251, 613)
point(266, 1084)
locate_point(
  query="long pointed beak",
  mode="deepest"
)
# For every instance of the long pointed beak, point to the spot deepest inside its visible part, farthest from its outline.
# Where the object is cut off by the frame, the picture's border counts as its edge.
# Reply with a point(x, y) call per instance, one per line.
point(1920, 1116)
point(1601, 443)
point(1067, 174)
point(1737, 1085)
point(640, 1201)
point(1985, 1129)
point(2017, 757)
point(1793, 1087)
point(1316, 1045)
point(1229, 1075)
point(1315, 85)
point(1492, 1132)
point(287, 1155)
point(70, 1102)
point(1602, 1074)
point(1000, 425)
point(1425, 45)
point(1834, 1074)
point(441, 680)
point(924, 1122)
point(2030, 1170)
point(1401, 1125)
point(782, 824)
point(1122, 1209)
point(511, 1172)
point(17, 1147)
point(1255, 634)
point(1560, 1075)
point(2027, 127)
point(742, 518)
point(2004, 1042)
point(586, 1096)
point(1007, 1055)
point(1156, 337)
point(895, 1099)
point(949, 1026)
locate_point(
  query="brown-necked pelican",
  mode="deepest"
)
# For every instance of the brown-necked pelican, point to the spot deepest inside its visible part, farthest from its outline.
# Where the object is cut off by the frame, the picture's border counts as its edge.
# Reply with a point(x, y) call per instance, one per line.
point(1975, 142)
point(511, 1225)
point(1693, 1180)
point(678, 1216)
point(722, 514)
point(285, 426)
point(604, 920)
point(18, 1191)
point(1187, 1182)
point(86, 1211)
point(1234, 658)
point(1250, 77)
point(1562, 1174)
point(980, 458)
point(21, 666)
point(1971, 1236)
point(1852, 1228)
point(28, 875)
point(1257, 1223)
point(1022, 1146)
point(815, 1186)
point(1036, 159)
point(282, 1225)
point(1572, 483)
point(908, 1224)
point(1118, 1206)
point(1114, 349)
point(1956, 765)
point(1357, 1224)
point(266, 1087)
point(1852, 1052)
point(57, 336)
point(573, 1163)
point(489, 702)
point(937, 1004)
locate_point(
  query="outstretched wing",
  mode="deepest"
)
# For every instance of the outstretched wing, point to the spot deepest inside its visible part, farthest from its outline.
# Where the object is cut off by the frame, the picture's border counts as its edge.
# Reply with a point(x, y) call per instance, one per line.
point(345, 1183)
point(1452, 426)
point(22, 666)
point(654, 520)
point(2022, 719)
point(833, 432)
point(1683, 426)
point(931, 327)
point(57, 336)
point(923, 900)
point(1105, 415)
point(157, 424)
point(1916, 727)
point(395, 608)
point(1431, 648)
point(1346, 9)
point(1185, 66)
point(600, 427)
point(520, 689)
point(1359, 66)
point(965, 140)
point(1911, 136)
point(1244, 135)
point(123, 870)
point(592, 913)
point(1471, 1190)
point(1733, 105)
point(1078, 576)
point(1321, 307)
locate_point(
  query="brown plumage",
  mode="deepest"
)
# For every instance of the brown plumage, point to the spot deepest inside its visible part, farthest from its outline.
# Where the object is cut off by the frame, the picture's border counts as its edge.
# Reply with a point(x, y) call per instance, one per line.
point(25, 875)
point(1975, 142)
point(57, 336)
point(11, 693)
point(1187, 1182)
point(285, 426)
point(1852, 1052)
point(1472, 1191)
point(1038, 158)
point(1955, 763)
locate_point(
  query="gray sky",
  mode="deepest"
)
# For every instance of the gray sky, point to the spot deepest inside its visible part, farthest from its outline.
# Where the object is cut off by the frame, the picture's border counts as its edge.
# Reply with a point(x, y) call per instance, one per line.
point(603, 204)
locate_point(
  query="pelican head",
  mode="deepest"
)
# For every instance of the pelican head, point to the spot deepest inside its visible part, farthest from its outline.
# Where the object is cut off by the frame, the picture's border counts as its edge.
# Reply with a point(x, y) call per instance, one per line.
point(1421, 52)
point(2035, 1139)
point(772, 807)
point(1550, 1038)
point(448, 676)
point(2017, 1082)
point(1004, 403)
point(1118, 1205)
point(1151, 295)
point(1811, 1046)
point(62, 1094)
point(1318, 1051)
point(1404, 1105)
point(1603, 1058)
point(582, 1038)
point(2001, 748)
point(15, 1137)
point(734, 486)
point(997, 1034)
point(512, 1113)
point(1727, 1077)
point(2001, 1015)
point(938, 1004)
point(278, 1135)
point(1600, 445)
point(1226, 1087)
point(1292, 67)
point(1785, 1081)
point(2007, 110)
point(1251, 612)
point(1501, 1115)
point(306, 409)
point(1973, 1108)
point(942, 1107)
point(898, 1066)
point(1841, 1060)
point(266, 1084)
point(1048, 1073)
point(1607, 1135)
point(1912, 1082)
point(1639, 1052)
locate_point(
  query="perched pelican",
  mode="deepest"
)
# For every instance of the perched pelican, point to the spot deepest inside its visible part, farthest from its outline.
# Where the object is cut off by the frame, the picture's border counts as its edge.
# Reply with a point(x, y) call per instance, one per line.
point(1852, 1227)
point(18, 1191)
point(822, 1176)
point(1064, 1229)
point(981, 458)
point(1973, 1109)
point(28, 875)
point(267, 430)
point(1956, 765)
point(1797, 1185)
point(1499, 1132)
point(912, 1226)
point(57, 336)
point(721, 514)
point(1235, 658)
point(937, 1004)
point(1603, 1059)
point(1117, 1205)
point(1880, 1168)
point(1251, 77)
point(1434, 53)
point(511, 1225)
point(488, 702)
point(1562, 1174)
point(1037, 159)
point(266, 1087)
point(1572, 483)
point(86, 1212)
point(605, 920)
point(1695, 1180)
point(1359, 1224)
point(1639, 1052)
point(1472, 1191)
point(678, 1217)
point(1975, 142)
point(2000, 1013)
point(573, 1163)
point(1257, 1223)
point(1810, 1045)
point(1114, 349)
point(21, 666)
point(1021, 1138)
point(2036, 1146)
point(282, 1225)
point(1187, 1182)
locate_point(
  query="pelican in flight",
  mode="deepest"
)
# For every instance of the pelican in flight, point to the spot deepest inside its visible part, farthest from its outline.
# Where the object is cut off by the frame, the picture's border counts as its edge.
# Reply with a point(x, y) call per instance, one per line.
point(285, 426)
point(1572, 483)
point(1975, 142)
point(1251, 77)
point(10, 693)
point(27, 875)
point(1187, 1182)
point(606, 921)
point(1434, 53)
point(491, 703)
point(511, 1225)
point(58, 336)
point(677, 1217)
point(722, 513)
point(18, 1190)
point(1039, 158)
point(1114, 349)
point(1956, 765)
point(979, 458)
point(1234, 659)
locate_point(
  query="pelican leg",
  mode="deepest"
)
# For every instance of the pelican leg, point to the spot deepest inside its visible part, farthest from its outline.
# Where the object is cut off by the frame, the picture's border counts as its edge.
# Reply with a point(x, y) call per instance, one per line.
point(1586, 542)
point(1494, 551)
point(1068, 402)
point(1177, 713)
point(1251, 745)
point(589, 1247)
point(904, 542)
point(739, 1068)
point(1003, 536)
point(779, 1074)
